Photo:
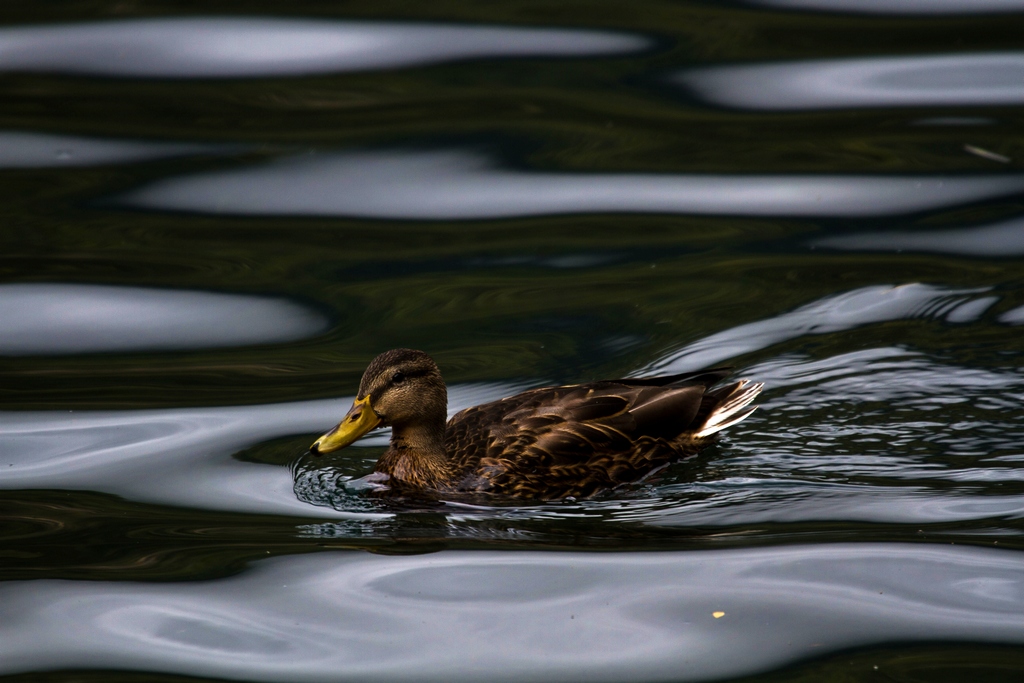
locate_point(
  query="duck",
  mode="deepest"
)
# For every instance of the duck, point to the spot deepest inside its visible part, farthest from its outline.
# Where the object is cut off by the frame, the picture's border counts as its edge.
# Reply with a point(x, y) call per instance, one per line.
point(546, 444)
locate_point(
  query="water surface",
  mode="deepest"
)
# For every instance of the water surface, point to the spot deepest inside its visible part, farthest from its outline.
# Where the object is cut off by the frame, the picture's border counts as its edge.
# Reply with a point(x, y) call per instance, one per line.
point(213, 222)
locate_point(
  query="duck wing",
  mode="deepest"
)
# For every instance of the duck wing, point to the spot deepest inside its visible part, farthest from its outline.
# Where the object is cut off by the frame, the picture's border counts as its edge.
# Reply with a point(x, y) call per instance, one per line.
point(576, 440)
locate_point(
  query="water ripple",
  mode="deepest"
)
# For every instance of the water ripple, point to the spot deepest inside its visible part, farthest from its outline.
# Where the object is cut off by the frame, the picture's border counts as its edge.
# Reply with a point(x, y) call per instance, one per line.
point(833, 313)
point(917, 81)
point(461, 185)
point(52, 318)
point(222, 47)
point(21, 149)
point(1003, 240)
point(909, 7)
point(513, 616)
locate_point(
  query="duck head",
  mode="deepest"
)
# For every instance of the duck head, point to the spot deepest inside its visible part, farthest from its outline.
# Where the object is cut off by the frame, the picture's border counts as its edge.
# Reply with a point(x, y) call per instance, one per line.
point(401, 388)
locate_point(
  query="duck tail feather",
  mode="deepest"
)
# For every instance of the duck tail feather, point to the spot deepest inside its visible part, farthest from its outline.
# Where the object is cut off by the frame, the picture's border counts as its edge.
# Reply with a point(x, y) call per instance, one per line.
point(732, 409)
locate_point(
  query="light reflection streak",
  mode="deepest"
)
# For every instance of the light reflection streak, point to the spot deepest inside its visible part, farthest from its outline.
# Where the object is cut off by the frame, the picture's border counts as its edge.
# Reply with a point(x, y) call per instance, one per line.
point(908, 7)
point(59, 318)
point(224, 47)
point(1000, 240)
point(1013, 317)
point(461, 185)
point(762, 501)
point(918, 81)
point(834, 313)
point(522, 616)
point(23, 149)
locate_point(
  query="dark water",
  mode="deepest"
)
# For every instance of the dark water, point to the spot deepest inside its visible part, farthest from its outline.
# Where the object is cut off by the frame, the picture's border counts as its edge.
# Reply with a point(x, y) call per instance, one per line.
point(210, 224)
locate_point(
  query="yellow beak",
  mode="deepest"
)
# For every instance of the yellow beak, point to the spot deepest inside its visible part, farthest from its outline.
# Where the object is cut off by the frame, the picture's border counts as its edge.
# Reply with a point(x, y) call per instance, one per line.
point(359, 420)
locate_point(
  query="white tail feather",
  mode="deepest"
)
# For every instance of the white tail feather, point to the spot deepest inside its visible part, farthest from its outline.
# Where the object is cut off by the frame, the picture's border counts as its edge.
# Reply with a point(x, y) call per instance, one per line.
point(731, 409)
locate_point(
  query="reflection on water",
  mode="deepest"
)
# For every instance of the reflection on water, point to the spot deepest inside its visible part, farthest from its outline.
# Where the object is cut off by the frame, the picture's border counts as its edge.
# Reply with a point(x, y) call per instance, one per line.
point(460, 185)
point(834, 313)
point(39, 150)
point(776, 207)
point(600, 617)
point(1002, 239)
point(49, 319)
point(952, 80)
point(1013, 317)
point(898, 6)
point(174, 457)
point(211, 47)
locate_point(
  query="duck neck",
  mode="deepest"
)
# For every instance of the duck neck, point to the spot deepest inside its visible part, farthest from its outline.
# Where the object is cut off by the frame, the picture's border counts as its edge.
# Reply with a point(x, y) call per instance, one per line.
point(417, 456)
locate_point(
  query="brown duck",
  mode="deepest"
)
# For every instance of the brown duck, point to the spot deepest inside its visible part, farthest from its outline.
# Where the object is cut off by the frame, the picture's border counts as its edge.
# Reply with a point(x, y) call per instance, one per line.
point(542, 444)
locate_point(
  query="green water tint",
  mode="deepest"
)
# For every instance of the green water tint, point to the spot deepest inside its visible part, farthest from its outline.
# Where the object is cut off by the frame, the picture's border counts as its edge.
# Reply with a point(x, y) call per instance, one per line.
point(85, 536)
point(900, 428)
point(482, 323)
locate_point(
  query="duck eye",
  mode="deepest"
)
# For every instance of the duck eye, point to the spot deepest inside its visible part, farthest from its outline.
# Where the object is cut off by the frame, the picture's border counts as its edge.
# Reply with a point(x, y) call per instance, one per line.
point(398, 377)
